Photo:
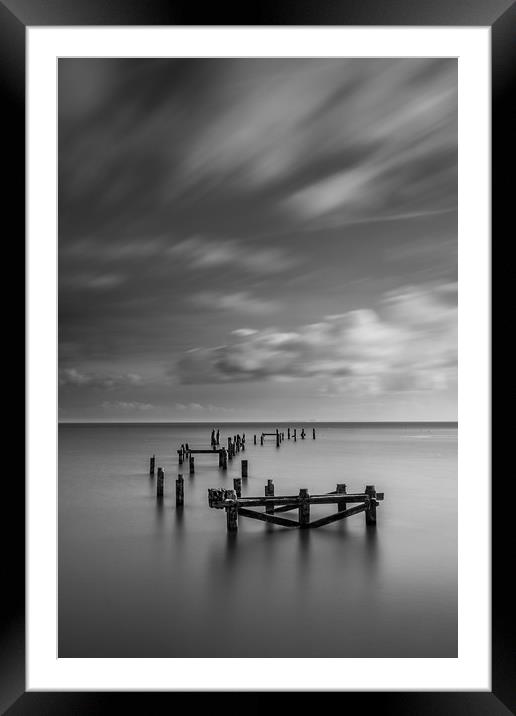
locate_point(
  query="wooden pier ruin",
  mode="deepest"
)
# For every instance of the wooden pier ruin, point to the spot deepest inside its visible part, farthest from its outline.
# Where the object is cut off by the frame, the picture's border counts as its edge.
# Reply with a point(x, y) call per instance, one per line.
point(235, 505)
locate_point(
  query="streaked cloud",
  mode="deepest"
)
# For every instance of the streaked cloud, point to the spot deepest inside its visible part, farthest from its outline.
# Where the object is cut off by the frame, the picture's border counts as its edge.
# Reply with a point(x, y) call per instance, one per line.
point(408, 343)
point(79, 378)
point(210, 253)
point(240, 302)
point(125, 406)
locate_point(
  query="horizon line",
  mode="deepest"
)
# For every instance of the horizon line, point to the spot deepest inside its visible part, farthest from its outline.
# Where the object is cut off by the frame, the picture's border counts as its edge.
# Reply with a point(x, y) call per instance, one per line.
point(255, 422)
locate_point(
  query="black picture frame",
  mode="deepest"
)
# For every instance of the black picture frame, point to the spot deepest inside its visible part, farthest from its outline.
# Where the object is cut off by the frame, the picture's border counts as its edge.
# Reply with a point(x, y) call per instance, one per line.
point(15, 17)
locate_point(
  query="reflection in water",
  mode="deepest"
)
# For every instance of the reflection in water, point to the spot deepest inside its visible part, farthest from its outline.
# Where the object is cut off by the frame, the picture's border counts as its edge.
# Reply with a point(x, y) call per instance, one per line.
point(295, 593)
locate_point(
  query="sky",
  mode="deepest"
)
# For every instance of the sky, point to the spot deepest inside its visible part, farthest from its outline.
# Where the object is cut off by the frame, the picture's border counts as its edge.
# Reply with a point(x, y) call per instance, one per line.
point(257, 239)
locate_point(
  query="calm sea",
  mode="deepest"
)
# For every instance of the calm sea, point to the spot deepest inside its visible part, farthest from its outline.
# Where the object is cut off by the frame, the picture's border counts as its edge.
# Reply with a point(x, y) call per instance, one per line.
point(138, 578)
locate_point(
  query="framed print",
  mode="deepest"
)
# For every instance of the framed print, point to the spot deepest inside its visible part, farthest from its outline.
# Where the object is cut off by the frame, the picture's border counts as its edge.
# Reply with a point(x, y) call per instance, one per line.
point(258, 360)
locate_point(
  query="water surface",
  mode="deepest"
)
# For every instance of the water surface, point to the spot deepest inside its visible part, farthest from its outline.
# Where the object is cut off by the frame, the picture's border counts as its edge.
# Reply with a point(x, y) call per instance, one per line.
point(139, 578)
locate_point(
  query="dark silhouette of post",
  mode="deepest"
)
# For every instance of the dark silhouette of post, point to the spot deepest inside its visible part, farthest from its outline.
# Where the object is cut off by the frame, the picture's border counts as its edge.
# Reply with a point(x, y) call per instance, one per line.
point(237, 484)
point(152, 465)
point(159, 484)
point(304, 508)
point(244, 468)
point(341, 504)
point(180, 494)
point(370, 513)
point(232, 512)
point(269, 492)
point(192, 465)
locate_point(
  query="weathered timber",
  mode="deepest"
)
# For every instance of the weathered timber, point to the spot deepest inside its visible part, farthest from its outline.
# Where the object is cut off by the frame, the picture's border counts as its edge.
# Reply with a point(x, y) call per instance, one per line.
point(237, 484)
point(295, 434)
point(304, 508)
point(180, 456)
point(232, 512)
point(338, 516)
point(192, 465)
point(261, 439)
point(341, 504)
point(159, 484)
point(328, 499)
point(231, 500)
point(288, 433)
point(244, 468)
point(213, 451)
point(370, 515)
point(152, 465)
point(266, 517)
point(255, 439)
point(180, 494)
point(313, 433)
point(285, 508)
point(269, 492)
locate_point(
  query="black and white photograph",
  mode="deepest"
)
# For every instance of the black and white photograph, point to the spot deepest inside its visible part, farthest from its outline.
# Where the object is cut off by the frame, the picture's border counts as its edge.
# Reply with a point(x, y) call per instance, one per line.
point(257, 317)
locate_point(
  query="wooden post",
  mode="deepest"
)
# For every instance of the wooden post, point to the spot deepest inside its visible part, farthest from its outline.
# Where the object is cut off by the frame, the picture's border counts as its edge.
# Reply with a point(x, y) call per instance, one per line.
point(180, 456)
point(313, 433)
point(230, 453)
point(255, 439)
point(370, 513)
point(277, 438)
point(221, 459)
point(244, 468)
point(341, 504)
point(237, 484)
point(243, 441)
point(152, 464)
point(261, 439)
point(192, 465)
point(304, 508)
point(180, 494)
point(269, 492)
point(295, 434)
point(232, 512)
point(159, 484)
point(288, 433)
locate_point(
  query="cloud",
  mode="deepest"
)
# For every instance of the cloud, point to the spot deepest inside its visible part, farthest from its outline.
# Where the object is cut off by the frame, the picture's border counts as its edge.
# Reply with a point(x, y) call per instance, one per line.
point(239, 302)
point(207, 253)
point(126, 405)
point(408, 343)
point(79, 378)
point(243, 332)
point(91, 281)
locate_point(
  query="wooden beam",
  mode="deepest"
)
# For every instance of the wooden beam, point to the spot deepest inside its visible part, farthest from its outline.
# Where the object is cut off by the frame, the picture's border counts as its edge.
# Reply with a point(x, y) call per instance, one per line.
point(265, 517)
point(209, 452)
point(285, 508)
point(338, 516)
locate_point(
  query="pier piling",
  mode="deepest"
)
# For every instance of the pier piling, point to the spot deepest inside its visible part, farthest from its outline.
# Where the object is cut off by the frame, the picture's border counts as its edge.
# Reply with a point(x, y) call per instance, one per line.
point(269, 492)
point(232, 512)
point(152, 464)
point(370, 513)
point(180, 494)
point(192, 464)
point(341, 504)
point(304, 508)
point(244, 468)
point(237, 484)
point(159, 484)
